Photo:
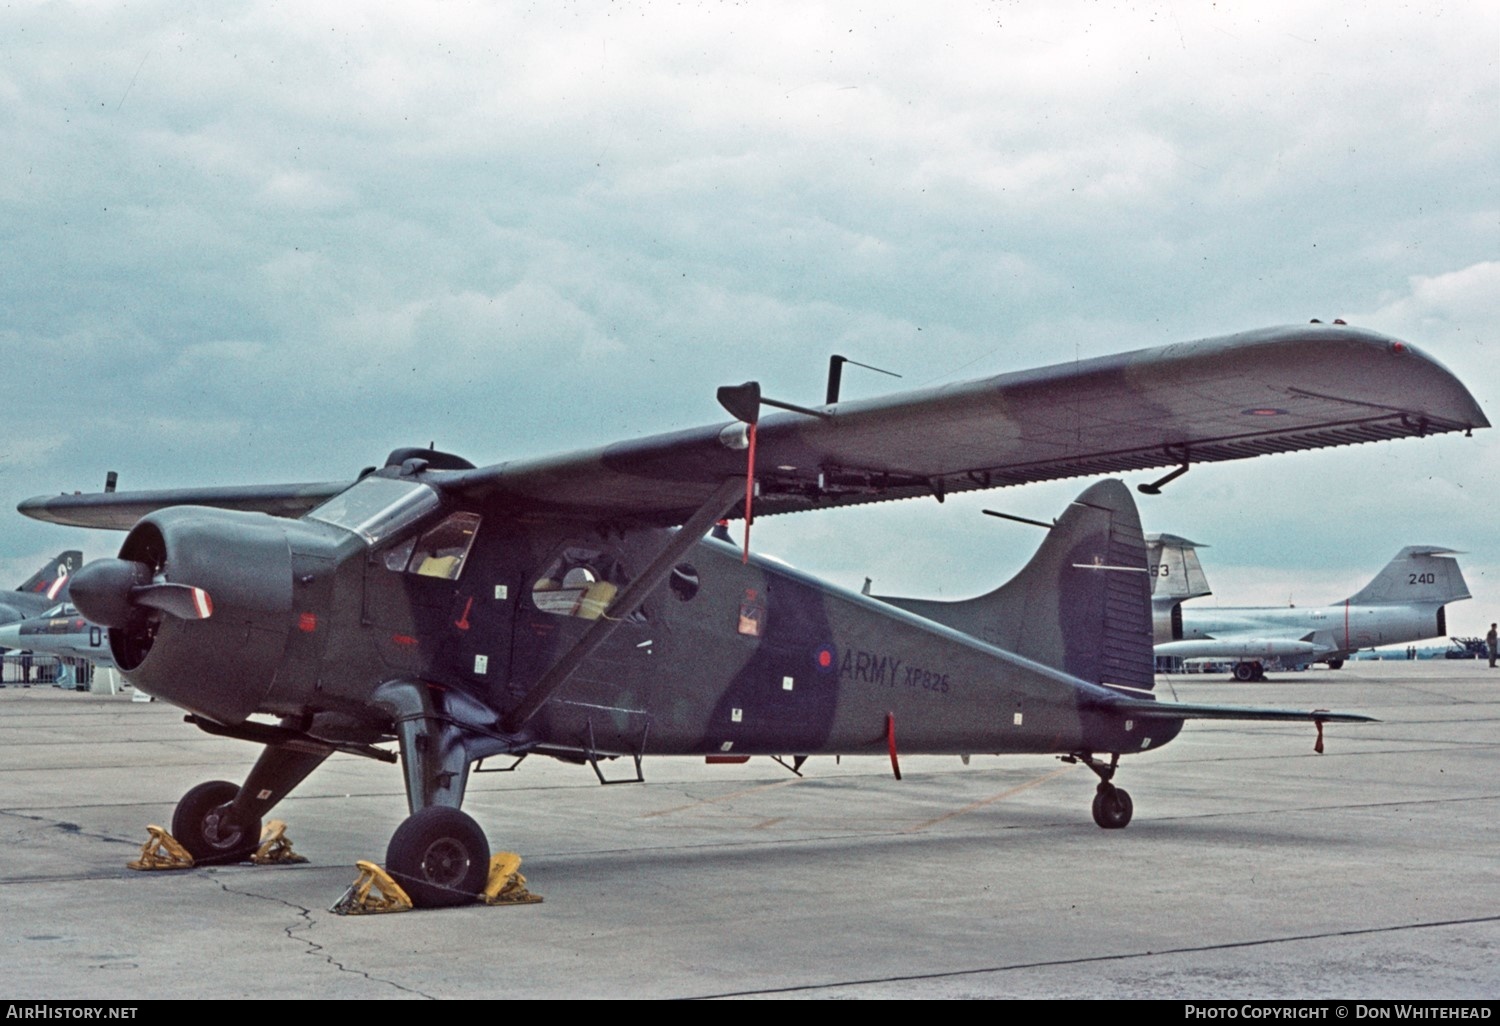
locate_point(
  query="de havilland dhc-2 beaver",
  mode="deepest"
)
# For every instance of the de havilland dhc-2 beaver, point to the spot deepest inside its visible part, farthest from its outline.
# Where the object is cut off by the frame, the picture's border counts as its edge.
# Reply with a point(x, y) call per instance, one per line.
point(577, 606)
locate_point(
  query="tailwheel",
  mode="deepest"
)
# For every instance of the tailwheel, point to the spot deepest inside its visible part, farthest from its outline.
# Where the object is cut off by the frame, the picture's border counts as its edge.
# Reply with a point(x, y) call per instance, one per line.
point(440, 857)
point(202, 824)
point(1112, 806)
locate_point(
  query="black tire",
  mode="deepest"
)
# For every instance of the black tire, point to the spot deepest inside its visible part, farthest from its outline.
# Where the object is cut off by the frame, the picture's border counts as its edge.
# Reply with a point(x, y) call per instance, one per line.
point(1244, 672)
point(1112, 807)
point(200, 825)
point(1335, 664)
point(440, 857)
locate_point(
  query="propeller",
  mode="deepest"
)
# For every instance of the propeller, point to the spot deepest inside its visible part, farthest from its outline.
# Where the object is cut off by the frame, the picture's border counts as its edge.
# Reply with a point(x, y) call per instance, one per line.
point(112, 592)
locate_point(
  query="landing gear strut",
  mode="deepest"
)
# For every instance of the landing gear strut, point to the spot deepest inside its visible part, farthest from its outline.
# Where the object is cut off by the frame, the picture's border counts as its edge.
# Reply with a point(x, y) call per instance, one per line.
point(1112, 805)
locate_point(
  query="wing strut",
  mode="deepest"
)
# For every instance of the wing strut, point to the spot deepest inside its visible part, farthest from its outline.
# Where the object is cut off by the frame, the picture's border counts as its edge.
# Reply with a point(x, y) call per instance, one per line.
point(627, 601)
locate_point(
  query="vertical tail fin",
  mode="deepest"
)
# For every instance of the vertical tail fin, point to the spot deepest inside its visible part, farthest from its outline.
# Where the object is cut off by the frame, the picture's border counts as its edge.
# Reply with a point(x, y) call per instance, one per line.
point(1081, 605)
point(1419, 573)
point(53, 574)
point(1176, 574)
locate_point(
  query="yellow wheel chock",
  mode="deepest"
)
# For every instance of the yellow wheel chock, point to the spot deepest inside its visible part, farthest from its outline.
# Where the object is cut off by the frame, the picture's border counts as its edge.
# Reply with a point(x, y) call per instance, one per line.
point(274, 848)
point(375, 891)
point(506, 886)
point(161, 852)
point(358, 901)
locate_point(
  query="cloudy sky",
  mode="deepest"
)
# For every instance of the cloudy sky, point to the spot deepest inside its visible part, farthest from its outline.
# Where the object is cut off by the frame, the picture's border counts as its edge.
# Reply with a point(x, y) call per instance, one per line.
point(256, 242)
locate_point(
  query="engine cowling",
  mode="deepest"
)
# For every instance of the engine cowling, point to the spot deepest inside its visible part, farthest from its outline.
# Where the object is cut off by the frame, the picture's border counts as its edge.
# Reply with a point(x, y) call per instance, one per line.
point(198, 606)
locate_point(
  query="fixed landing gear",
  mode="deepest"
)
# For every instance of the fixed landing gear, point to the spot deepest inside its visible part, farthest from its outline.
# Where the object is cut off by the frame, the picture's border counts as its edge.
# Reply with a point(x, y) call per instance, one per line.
point(1246, 672)
point(202, 824)
point(439, 856)
point(1112, 805)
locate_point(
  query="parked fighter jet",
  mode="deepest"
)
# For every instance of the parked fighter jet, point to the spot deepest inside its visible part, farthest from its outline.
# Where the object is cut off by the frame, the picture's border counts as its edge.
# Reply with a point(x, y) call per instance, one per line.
point(62, 632)
point(547, 606)
point(39, 592)
point(1405, 602)
point(35, 595)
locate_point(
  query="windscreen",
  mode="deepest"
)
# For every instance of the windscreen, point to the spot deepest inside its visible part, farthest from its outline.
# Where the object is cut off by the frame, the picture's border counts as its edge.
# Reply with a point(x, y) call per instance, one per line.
point(376, 507)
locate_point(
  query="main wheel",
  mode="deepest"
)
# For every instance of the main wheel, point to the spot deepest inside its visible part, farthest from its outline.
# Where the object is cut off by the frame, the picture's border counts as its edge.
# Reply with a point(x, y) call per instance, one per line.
point(1112, 807)
point(1334, 664)
point(1244, 672)
point(202, 825)
point(439, 856)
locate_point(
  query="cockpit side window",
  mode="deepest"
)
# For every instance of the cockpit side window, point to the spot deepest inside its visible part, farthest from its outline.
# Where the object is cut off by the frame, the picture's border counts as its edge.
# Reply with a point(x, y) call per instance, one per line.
point(441, 551)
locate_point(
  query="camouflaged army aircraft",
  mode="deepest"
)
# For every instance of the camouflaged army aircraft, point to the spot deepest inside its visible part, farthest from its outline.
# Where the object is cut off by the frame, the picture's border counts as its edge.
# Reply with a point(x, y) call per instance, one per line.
point(571, 605)
point(1406, 601)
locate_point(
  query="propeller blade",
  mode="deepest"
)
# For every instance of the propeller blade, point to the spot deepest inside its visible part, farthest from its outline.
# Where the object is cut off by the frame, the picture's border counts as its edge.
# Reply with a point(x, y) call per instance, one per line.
point(180, 600)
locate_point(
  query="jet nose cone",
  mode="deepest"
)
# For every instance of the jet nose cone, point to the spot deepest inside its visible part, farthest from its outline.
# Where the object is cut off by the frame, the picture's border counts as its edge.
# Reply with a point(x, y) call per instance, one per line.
point(101, 590)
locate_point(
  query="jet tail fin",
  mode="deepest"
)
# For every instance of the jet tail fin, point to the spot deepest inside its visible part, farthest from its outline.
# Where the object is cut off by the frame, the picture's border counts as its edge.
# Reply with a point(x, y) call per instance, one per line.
point(1082, 605)
point(53, 574)
point(1176, 574)
point(1419, 573)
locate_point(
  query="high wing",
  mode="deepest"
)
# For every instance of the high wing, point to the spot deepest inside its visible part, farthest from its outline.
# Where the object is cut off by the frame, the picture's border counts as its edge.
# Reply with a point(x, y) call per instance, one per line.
point(1272, 390)
point(118, 511)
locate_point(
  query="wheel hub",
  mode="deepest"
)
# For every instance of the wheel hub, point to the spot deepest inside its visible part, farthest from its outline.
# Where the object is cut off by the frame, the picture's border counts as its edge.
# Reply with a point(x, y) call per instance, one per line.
point(445, 862)
point(220, 830)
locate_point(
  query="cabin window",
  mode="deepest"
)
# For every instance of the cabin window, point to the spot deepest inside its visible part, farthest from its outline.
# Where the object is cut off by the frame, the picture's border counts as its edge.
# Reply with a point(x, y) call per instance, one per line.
point(752, 620)
point(581, 582)
point(441, 551)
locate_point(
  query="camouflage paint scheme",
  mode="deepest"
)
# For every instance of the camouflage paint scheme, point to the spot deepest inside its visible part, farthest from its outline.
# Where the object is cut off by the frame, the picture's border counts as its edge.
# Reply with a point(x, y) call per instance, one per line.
point(548, 607)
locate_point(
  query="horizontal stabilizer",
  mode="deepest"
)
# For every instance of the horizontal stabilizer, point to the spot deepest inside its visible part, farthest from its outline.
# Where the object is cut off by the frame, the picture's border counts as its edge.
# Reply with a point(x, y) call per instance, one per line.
point(1151, 709)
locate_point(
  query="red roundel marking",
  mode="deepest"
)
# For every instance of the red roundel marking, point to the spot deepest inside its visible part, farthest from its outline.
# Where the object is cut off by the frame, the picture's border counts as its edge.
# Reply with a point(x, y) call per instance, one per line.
point(307, 622)
point(825, 658)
